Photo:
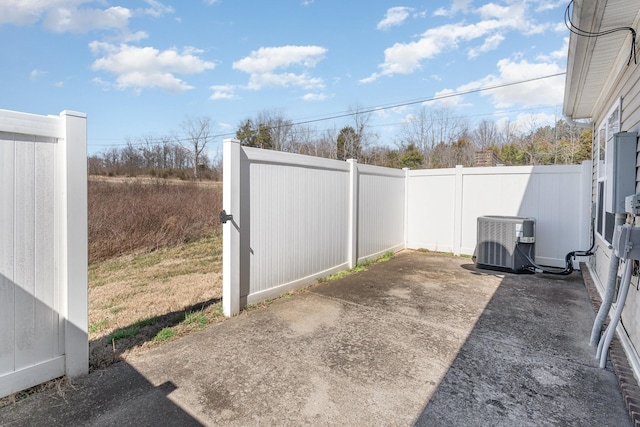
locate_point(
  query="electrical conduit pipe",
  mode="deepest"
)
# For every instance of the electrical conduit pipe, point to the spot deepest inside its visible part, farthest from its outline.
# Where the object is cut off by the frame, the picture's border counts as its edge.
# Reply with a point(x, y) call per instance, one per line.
point(609, 291)
point(626, 244)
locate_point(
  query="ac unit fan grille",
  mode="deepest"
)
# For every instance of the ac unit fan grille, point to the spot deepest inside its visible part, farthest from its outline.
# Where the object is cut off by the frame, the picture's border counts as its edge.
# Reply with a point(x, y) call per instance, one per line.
point(498, 246)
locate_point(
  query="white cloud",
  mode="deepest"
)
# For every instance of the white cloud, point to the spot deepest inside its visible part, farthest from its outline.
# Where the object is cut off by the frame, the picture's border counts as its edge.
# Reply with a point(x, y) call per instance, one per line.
point(547, 91)
point(394, 16)
point(157, 9)
point(490, 43)
point(556, 54)
point(494, 21)
point(405, 58)
point(223, 92)
point(441, 12)
point(24, 12)
point(85, 20)
point(35, 73)
point(263, 63)
point(445, 98)
point(64, 15)
point(267, 59)
point(410, 118)
point(133, 37)
point(103, 84)
point(147, 67)
point(456, 6)
point(525, 122)
point(550, 4)
point(74, 15)
point(314, 97)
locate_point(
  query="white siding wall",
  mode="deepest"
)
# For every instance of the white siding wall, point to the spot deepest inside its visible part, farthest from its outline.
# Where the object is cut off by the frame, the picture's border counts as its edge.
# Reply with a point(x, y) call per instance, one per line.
point(624, 89)
point(38, 332)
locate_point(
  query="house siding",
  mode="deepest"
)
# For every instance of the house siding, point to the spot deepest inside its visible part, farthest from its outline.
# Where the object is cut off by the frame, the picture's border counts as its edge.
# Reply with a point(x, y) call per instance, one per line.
point(627, 89)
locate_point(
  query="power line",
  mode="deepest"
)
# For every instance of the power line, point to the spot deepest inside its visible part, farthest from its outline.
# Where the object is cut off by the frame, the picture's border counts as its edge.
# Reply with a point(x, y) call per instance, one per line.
point(434, 98)
point(366, 111)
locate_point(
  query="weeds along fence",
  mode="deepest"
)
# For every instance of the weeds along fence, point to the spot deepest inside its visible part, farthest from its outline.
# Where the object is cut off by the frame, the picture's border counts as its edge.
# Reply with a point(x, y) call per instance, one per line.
point(43, 248)
point(294, 218)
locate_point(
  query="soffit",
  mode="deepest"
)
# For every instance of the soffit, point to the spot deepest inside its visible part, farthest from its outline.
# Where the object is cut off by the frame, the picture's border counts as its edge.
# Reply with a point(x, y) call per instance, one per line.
point(594, 63)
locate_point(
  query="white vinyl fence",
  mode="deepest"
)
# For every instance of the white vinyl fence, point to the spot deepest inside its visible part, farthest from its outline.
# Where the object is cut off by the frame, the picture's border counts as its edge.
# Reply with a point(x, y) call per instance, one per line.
point(43, 248)
point(297, 218)
point(444, 204)
point(294, 218)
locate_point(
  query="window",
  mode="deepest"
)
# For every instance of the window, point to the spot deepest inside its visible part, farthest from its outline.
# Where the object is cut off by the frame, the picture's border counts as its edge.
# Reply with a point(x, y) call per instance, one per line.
point(602, 138)
point(605, 220)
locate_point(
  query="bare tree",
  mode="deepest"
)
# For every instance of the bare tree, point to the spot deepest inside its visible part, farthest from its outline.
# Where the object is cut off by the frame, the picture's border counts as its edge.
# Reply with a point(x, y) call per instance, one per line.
point(431, 129)
point(507, 135)
point(485, 134)
point(416, 131)
point(348, 144)
point(197, 134)
point(280, 129)
point(131, 158)
point(360, 119)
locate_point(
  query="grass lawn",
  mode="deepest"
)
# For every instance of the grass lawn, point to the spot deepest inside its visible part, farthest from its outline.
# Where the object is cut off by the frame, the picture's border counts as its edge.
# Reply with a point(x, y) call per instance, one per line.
point(139, 301)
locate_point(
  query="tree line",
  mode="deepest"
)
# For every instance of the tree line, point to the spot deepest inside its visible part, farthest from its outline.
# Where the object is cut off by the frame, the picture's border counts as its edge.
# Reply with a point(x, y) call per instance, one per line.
point(182, 155)
point(433, 138)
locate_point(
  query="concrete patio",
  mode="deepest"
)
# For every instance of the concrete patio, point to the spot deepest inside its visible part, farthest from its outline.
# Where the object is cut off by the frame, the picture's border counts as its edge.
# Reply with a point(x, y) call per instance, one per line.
point(424, 339)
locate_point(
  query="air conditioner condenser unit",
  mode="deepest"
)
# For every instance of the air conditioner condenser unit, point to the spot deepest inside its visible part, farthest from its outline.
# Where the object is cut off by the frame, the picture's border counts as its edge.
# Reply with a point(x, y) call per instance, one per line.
point(506, 243)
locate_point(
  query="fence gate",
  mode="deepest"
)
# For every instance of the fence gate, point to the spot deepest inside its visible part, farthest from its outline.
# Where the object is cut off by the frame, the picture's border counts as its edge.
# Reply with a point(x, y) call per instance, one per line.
point(43, 248)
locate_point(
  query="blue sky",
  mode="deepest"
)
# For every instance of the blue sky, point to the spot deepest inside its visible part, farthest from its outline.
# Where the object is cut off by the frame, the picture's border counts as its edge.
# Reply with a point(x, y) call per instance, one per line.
point(140, 68)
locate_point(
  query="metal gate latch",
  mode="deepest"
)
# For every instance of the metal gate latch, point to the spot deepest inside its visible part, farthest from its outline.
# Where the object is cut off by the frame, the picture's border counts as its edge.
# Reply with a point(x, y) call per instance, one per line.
point(224, 217)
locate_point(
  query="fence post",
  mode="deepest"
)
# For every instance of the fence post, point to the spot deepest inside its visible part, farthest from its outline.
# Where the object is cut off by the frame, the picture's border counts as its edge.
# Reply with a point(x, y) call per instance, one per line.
point(406, 206)
point(73, 248)
point(231, 229)
point(352, 249)
point(457, 211)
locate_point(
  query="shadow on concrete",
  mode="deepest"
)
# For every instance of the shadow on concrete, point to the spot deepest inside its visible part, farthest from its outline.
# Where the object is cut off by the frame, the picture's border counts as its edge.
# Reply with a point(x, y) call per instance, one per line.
point(32, 334)
point(527, 361)
point(116, 396)
point(104, 351)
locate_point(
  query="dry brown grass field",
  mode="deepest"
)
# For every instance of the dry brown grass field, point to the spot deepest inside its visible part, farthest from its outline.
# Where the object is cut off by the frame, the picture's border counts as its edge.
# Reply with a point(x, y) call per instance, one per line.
point(155, 256)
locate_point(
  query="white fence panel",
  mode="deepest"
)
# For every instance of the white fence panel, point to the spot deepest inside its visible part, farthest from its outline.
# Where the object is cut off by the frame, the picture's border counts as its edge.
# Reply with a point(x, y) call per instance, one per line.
point(381, 210)
point(294, 218)
point(298, 219)
point(7, 288)
point(43, 259)
point(430, 209)
point(556, 196)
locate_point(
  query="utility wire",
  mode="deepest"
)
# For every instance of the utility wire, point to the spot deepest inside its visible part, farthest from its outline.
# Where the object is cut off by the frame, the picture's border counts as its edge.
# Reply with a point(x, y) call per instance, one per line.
point(375, 109)
point(584, 33)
